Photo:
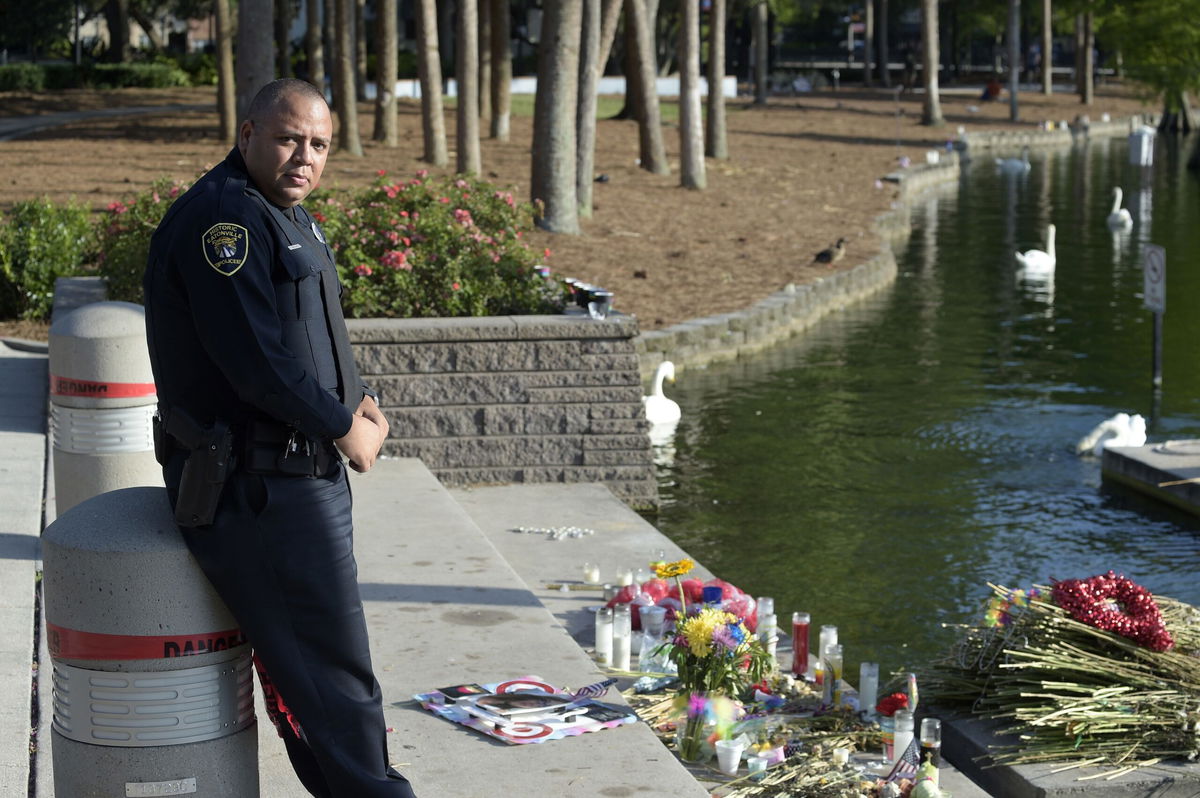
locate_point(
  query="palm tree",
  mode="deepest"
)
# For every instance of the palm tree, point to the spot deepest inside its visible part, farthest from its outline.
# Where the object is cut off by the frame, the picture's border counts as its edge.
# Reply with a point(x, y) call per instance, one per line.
point(344, 96)
point(466, 71)
point(716, 142)
point(691, 130)
point(554, 151)
point(226, 99)
point(255, 64)
point(931, 114)
point(386, 69)
point(501, 71)
point(429, 72)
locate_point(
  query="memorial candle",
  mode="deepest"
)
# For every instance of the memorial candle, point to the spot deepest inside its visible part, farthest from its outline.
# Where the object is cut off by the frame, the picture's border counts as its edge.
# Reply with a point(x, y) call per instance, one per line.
point(604, 635)
point(868, 688)
point(800, 622)
point(622, 634)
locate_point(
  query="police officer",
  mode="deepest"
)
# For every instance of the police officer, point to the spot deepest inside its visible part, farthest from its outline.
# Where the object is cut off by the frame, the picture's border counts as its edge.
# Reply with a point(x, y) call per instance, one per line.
point(259, 403)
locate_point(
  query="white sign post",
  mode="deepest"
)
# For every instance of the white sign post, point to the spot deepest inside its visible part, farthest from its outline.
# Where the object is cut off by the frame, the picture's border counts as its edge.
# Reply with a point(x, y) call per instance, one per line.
point(1154, 293)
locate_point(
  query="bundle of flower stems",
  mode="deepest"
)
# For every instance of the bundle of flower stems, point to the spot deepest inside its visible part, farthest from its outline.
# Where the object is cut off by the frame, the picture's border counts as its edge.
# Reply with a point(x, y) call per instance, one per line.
point(1074, 693)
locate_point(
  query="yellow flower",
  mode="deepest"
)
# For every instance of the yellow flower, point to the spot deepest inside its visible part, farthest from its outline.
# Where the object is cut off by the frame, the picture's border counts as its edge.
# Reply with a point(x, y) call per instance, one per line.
point(665, 570)
point(698, 629)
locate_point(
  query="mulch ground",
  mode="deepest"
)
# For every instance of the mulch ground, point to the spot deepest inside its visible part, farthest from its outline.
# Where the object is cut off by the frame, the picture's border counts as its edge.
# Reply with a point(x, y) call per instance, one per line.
point(802, 172)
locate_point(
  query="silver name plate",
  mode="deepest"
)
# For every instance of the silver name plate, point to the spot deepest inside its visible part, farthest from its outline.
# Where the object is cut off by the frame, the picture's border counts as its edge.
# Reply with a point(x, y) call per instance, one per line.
point(150, 789)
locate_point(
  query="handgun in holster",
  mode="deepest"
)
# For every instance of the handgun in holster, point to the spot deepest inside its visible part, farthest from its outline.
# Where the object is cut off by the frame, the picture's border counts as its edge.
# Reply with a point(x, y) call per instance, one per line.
point(208, 465)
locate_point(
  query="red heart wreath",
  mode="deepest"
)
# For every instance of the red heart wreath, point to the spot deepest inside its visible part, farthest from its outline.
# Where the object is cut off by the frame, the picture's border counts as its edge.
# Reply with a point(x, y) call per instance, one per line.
point(1115, 604)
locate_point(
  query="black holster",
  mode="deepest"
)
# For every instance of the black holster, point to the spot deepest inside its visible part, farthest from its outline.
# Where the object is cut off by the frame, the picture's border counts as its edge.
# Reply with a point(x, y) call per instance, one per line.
point(208, 464)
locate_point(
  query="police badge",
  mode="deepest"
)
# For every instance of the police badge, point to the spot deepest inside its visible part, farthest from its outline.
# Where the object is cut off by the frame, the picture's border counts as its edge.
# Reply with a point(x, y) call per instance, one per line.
point(317, 233)
point(226, 247)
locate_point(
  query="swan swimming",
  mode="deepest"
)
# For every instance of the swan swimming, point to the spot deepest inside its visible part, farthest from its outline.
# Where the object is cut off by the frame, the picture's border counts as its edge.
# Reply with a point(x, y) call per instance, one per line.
point(1119, 218)
point(1014, 165)
point(1120, 430)
point(659, 408)
point(1035, 262)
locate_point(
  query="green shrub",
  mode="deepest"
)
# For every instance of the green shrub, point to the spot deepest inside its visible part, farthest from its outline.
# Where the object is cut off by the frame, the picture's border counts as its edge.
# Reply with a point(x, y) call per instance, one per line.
point(66, 76)
point(435, 247)
point(146, 76)
point(39, 242)
point(22, 77)
point(123, 237)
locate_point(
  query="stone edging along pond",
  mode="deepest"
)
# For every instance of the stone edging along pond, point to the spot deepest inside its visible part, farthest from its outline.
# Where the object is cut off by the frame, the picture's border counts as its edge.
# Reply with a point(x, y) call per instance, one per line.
point(727, 336)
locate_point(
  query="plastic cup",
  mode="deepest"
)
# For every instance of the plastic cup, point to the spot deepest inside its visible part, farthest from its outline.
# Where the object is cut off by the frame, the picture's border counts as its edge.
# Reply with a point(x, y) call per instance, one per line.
point(729, 755)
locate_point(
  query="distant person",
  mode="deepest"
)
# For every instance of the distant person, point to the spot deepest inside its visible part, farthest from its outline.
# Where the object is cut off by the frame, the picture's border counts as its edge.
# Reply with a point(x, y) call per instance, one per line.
point(909, 76)
point(992, 90)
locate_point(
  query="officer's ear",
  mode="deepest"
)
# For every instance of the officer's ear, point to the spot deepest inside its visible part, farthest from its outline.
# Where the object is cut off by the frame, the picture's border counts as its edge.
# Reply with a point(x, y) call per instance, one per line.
point(243, 141)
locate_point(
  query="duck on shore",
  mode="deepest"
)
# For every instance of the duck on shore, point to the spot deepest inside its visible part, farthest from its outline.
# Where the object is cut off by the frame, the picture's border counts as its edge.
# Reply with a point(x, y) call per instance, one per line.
point(832, 254)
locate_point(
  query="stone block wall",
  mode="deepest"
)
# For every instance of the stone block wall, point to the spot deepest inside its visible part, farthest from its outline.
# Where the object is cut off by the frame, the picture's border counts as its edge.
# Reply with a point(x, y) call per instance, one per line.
point(508, 399)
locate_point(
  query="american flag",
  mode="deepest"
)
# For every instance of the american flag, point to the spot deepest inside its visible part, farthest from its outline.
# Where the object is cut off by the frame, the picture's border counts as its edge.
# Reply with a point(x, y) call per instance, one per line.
point(594, 690)
point(908, 763)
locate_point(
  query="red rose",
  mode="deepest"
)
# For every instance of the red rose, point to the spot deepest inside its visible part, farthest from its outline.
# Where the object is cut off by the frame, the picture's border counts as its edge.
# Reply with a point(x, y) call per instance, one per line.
point(889, 704)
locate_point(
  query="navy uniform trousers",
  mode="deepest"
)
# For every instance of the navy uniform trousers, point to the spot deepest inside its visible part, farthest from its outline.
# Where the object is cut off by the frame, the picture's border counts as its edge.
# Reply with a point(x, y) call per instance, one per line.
point(280, 554)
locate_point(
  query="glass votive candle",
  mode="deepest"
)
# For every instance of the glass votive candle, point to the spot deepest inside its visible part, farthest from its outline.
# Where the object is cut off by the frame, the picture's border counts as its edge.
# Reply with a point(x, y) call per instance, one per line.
point(622, 634)
point(766, 606)
point(641, 576)
point(604, 635)
point(766, 633)
point(931, 741)
point(800, 623)
point(625, 577)
point(610, 590)
point(653, 620)
point(591, 573)
point(903, 720)
point(833, 674)
point(868, 688)
point(829, 636)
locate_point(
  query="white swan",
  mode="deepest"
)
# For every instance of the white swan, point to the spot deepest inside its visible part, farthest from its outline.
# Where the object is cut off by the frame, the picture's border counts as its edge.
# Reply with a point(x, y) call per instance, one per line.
point(659, 408)
point(1036, 262)
point(1120, 430)
point(1119, 218)
point(1014, 165)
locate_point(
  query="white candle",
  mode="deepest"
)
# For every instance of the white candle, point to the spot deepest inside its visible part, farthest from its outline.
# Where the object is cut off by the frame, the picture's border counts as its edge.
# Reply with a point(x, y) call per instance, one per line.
point(868, 687)
point(622, 632)
point(828, 637)
point(591, 573)
point(766, 633)
point(625, 577)
point(604, 635)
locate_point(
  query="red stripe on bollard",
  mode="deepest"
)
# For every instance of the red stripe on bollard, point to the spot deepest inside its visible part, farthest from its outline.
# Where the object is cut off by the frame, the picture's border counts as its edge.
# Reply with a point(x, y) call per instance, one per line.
point(74, 644)
point(69, 386)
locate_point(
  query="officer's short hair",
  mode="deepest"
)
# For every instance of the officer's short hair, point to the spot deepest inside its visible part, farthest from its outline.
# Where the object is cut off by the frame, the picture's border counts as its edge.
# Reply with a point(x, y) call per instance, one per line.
point(270, 95)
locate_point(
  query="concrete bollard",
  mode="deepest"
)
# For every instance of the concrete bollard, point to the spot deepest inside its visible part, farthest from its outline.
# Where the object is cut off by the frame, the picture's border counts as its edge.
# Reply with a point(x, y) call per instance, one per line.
point(153, 683)
point(102, 399)
point(1141, 146)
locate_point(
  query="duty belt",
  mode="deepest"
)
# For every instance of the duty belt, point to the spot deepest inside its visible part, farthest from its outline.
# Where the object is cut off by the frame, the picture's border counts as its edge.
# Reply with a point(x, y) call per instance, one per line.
point(274, 448)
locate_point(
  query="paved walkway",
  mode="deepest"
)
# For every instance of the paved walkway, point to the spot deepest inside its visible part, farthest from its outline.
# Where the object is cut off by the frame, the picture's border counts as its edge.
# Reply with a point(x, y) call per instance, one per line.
point(13, 127)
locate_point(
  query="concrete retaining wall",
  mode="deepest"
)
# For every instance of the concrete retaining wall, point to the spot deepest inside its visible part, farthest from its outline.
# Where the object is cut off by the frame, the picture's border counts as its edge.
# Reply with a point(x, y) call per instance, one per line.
point(508, 399)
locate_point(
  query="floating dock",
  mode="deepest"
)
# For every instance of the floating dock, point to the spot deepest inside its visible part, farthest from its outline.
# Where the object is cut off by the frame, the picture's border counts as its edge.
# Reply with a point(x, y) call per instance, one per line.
point(1168, 472)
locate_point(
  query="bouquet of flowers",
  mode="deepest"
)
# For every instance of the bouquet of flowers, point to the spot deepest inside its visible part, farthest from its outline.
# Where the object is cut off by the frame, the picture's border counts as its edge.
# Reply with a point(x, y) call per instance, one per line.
point(716, 654)
point(1090, 671)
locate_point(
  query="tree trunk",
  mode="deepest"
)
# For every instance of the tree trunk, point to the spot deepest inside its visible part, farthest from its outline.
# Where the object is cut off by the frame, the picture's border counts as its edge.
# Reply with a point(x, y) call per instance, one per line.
point(147, 24)
point(485, 59)
point(610, 15)
point(716, 142)
point(931, 114)
point(758, 43)
point(360, 49)
point(1047, 49)
point(386, 68)
point(429, 73)
point(226, 99)
point(329, 35)
point(116, 14)
point(585, 117)
point(1014, 58)
point(691, 128)
point(1079, 47)
point(466, 71)
point(313, 47)
point(868, 40)
point(1088, 90)
point(501, 71)
point(554, 150)
point(347, 107)
point(633, 77)
point(885, 76)
point(653, 154)
point(283, 46)
point(255, 62)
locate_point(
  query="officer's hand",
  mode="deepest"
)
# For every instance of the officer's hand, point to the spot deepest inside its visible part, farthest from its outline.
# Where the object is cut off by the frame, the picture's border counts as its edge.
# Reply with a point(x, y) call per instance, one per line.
point(362, 443)
point(370, 410)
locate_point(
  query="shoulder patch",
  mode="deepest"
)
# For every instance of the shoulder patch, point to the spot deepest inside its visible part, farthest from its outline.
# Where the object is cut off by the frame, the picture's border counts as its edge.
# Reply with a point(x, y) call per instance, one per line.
point(226, 247)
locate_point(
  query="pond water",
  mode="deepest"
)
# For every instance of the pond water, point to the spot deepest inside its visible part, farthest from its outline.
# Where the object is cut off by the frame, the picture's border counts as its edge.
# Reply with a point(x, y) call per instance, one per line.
point(881, 469)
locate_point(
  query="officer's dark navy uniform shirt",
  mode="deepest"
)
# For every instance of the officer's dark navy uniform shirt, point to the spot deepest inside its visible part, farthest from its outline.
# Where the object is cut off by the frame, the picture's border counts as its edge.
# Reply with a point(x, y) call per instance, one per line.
point(235, 309)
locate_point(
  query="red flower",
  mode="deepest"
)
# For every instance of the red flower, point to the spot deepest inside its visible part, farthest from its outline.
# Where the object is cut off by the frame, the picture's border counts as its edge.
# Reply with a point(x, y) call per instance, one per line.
point(889, 705)
point(381, 172)
point(455, 286)
point(363, 270)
